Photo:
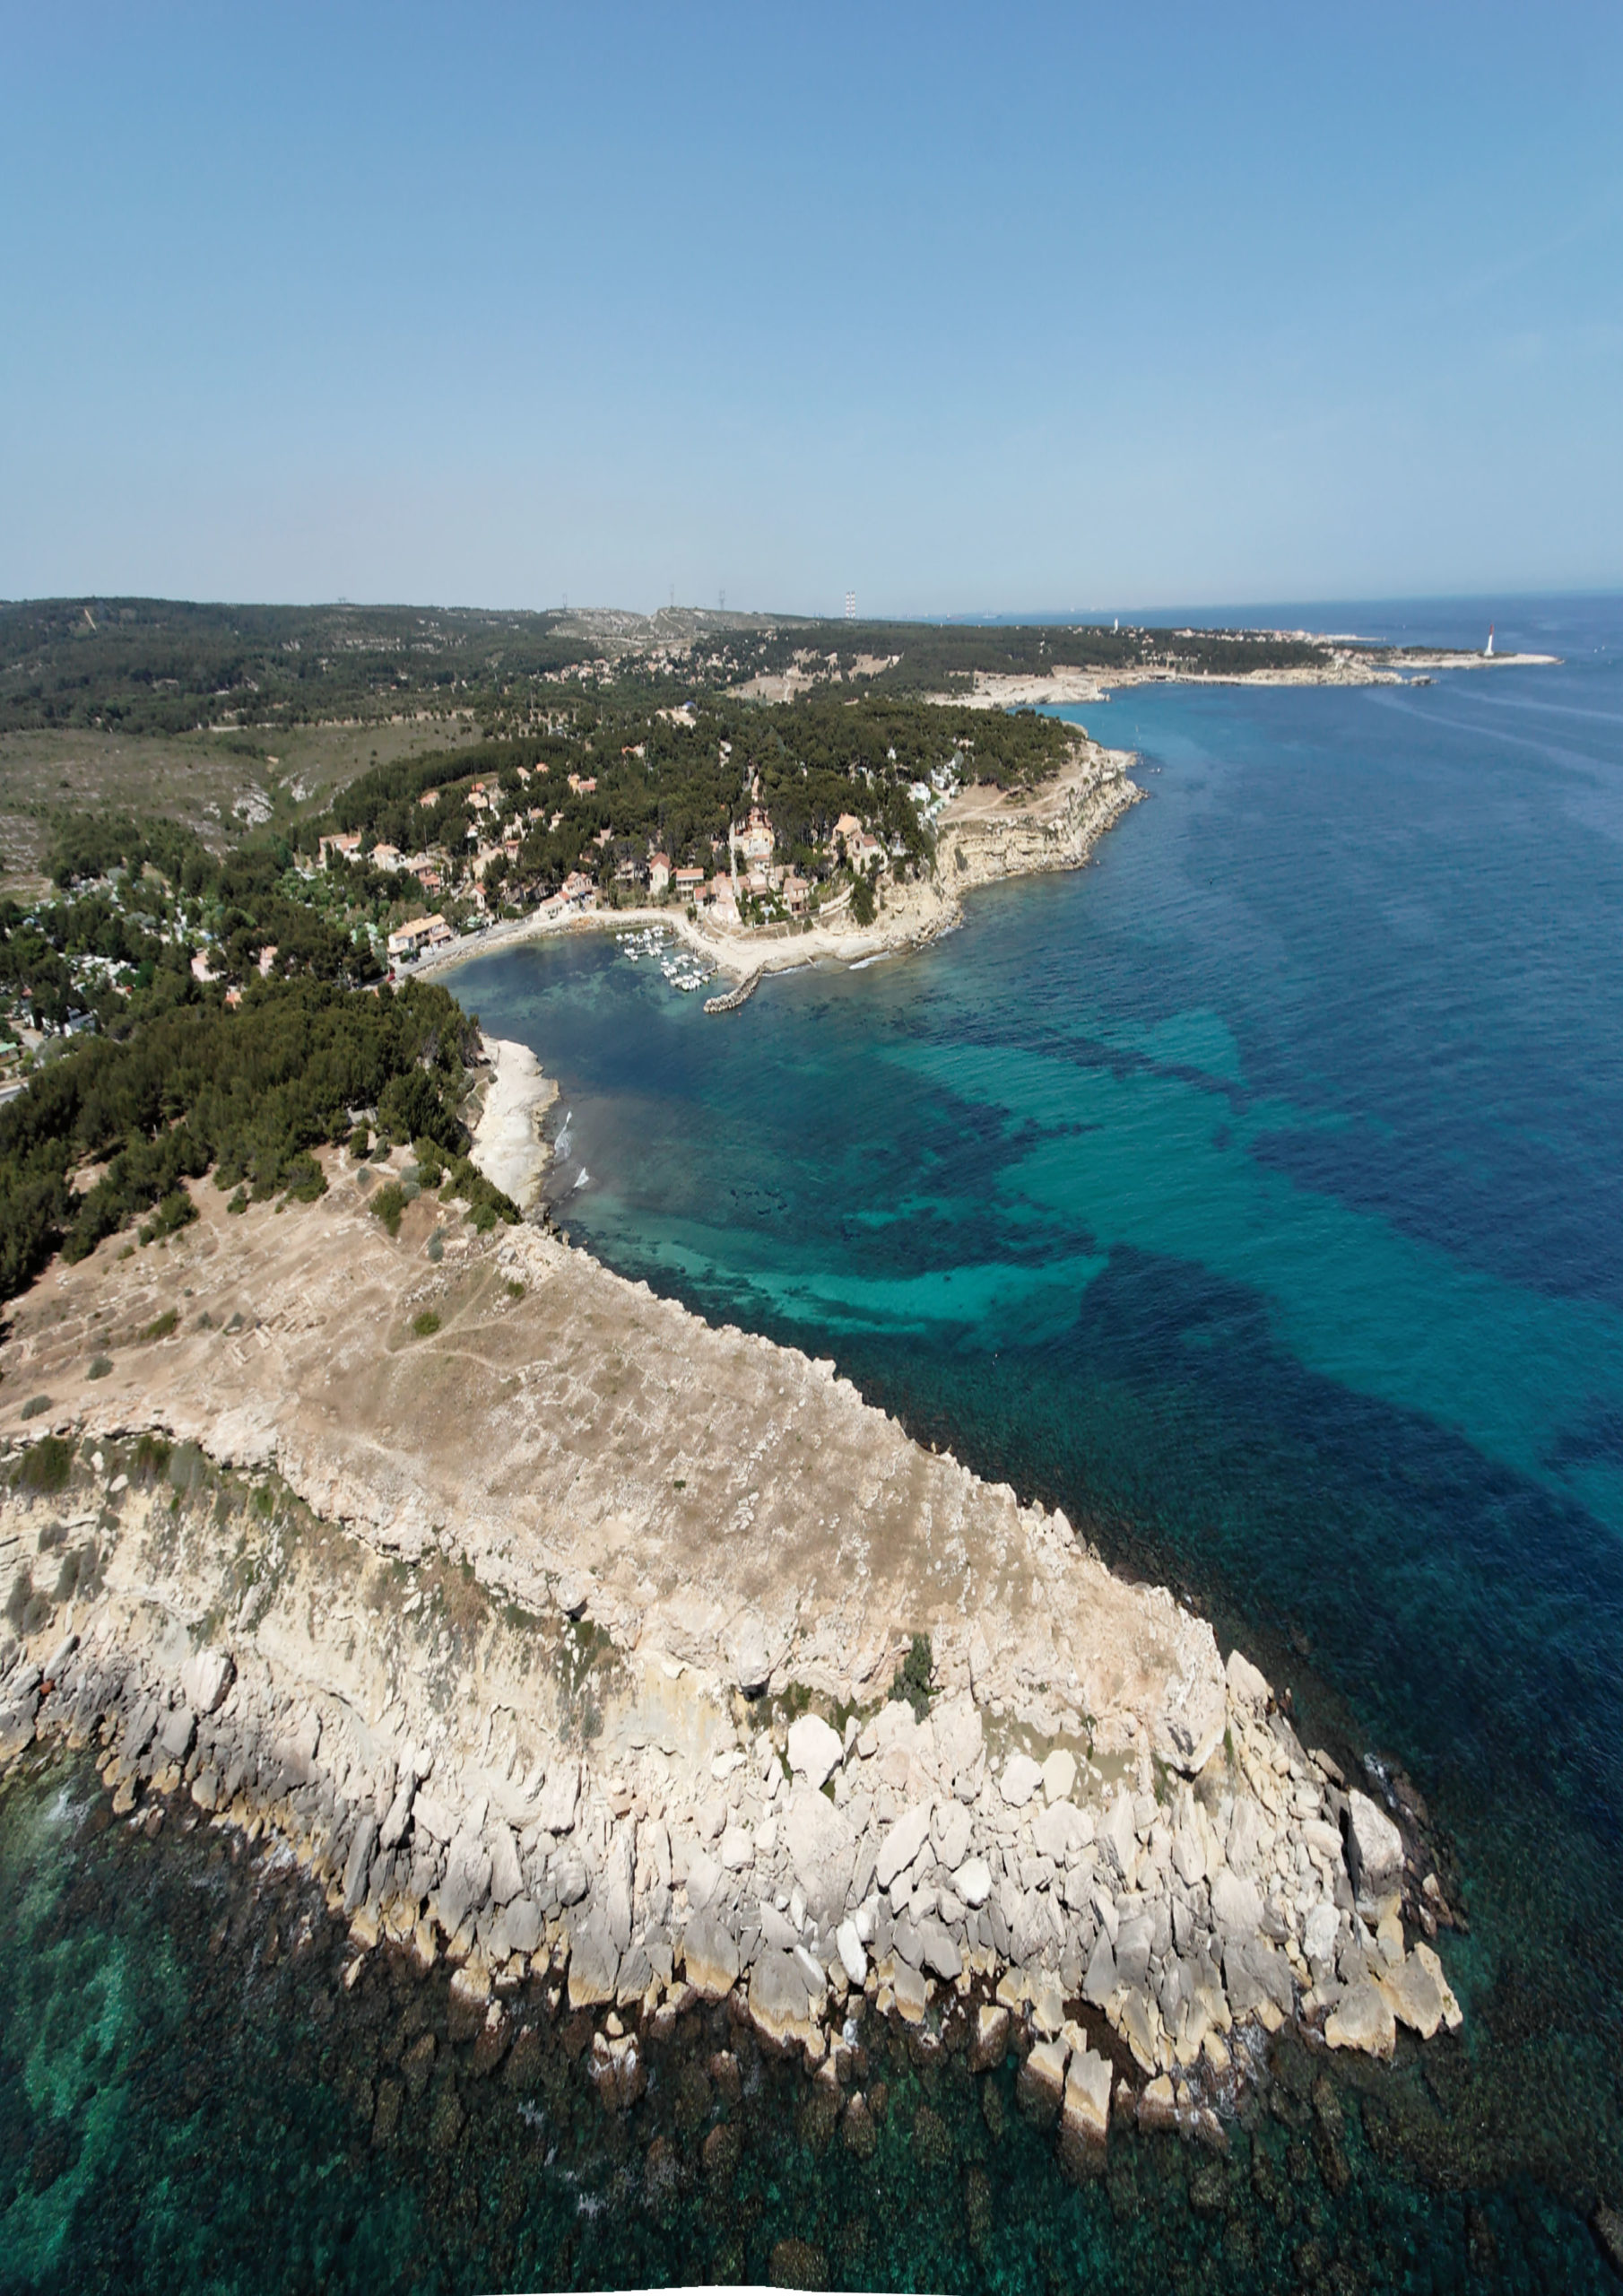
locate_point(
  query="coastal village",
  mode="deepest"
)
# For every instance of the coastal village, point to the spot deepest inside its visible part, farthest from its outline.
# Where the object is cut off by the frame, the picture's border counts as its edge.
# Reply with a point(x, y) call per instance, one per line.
point(528, 847)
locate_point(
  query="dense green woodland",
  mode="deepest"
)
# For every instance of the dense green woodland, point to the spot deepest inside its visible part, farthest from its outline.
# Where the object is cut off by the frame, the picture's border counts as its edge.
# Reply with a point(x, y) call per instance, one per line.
point(158, 665)
point(147, 666)
point(926, 657)
point(813, 760)
point(244, 1076)
point(245, 1094)
point(149, 921)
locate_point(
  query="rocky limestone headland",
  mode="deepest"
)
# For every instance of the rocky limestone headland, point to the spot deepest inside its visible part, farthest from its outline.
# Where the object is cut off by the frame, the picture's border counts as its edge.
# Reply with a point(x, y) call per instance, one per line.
point(557, 1631)
point(1344, 664)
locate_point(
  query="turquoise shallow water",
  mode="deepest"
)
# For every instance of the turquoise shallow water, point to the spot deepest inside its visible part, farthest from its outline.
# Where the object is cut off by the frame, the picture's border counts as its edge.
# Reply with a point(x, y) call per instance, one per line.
point(1255, 1194)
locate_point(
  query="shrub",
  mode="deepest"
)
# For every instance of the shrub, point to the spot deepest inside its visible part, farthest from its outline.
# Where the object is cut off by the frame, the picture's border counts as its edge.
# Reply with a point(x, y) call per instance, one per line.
point(35, 1405)
point(425, 1325)
point(361, 1143)
point(304, 1179)
point(912, 1682)
point(161, 1326)
point(151, 1459)
point(99, 1367)
point(21, 1595)
point(487, 1203)
point(46, 1464)
point(387, 1205)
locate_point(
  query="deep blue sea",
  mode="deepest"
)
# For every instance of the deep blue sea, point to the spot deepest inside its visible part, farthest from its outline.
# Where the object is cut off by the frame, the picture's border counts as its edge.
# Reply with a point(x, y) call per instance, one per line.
point(1257, 1194)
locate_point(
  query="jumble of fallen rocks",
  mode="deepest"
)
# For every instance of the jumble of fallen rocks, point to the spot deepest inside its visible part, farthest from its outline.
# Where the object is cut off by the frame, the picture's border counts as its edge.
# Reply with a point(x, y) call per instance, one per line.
point(1135, 1936)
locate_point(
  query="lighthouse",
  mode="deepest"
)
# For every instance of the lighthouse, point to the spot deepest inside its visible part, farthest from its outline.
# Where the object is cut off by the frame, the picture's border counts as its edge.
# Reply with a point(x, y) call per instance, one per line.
point(1488, 649)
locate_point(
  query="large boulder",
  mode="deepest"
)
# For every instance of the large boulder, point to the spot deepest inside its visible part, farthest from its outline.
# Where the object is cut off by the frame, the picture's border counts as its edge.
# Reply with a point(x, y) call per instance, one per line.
point(1054, 1830)
point(519, 1928)
point(815, 1749)
point(949, 1829)
point(710, 1957)
point(560, 1796)
point(1041, 2082)
point(616, 1884)
point(1059, 1774)
point(751, 1660)
point(17, 1725)
point(467, 1879)
point(507, 1877)
point(959, 1738)
point(937, 1950)
point(594, 1962)
point(783, 2004)
point(1362, 2019)
point(820, 1843)
point(902, 1843)
point(1100, 1980)
point(1244, 1844)
point(358, 1864)
point(1454, 2016)
point(433, 1817)
point(1248, 1687)
point(972, 1881)
point(1087, 2106)
point(1413, 1996)
point(1237, 1905)
point(736, 1848)
point(1021, 1779)
point(1320, 1933)
point(1191, 1725)
point(205, 1678)
point(1374, 1849)
point(989, 2041)
point(1118, 1835)
point(1133, 1950)
point(399, 1812)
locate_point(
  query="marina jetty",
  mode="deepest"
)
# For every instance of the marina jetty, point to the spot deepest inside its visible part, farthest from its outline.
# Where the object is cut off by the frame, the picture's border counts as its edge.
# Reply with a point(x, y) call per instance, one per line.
point(734, 998)
point(561, 1635)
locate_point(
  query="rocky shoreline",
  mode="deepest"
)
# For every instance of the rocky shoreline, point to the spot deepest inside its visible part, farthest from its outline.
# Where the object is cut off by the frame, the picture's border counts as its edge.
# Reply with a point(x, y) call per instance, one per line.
point(568, 1639)
point(1133, 1930)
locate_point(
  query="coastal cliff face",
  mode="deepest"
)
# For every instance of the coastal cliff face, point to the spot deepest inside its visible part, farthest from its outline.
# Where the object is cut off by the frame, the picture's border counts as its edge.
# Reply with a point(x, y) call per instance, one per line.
point(556, 1629)
point(986, 834)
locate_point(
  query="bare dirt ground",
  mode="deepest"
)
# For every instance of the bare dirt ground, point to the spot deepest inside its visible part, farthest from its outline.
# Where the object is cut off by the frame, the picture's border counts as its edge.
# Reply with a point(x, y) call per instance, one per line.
point(560, 1419)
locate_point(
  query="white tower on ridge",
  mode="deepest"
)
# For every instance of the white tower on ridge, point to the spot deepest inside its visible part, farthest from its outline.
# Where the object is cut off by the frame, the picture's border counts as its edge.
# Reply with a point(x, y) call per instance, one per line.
point(850, 605)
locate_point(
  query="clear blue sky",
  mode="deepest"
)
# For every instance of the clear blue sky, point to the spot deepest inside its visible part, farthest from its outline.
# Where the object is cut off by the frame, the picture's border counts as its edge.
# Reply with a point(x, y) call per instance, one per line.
point(968, 309)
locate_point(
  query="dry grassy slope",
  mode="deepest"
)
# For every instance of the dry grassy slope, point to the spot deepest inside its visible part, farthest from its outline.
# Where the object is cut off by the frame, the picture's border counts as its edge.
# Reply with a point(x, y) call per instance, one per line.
point(211, 782)
point(698, 1477)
